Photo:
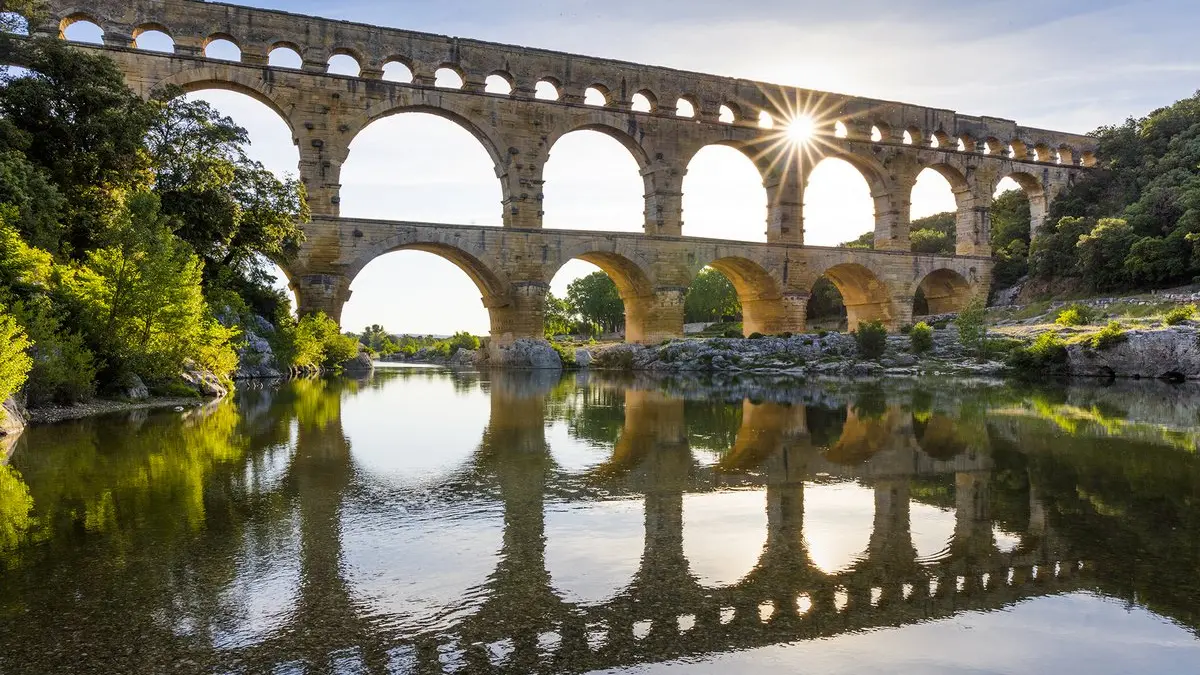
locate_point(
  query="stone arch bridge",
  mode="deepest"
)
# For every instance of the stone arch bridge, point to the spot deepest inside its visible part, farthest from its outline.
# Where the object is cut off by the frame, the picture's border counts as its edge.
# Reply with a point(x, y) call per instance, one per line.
point(662, 116)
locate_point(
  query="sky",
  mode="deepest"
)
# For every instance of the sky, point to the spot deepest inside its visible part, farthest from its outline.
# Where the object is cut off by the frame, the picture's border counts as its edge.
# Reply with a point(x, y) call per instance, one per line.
point(1069, 65)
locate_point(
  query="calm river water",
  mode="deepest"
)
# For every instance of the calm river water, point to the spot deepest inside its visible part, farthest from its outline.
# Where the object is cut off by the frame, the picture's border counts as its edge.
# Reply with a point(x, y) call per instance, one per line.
point(423, 521)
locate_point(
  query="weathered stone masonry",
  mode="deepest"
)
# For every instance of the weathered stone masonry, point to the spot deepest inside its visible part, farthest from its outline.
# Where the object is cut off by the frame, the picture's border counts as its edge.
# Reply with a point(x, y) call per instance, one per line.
point(889, 143)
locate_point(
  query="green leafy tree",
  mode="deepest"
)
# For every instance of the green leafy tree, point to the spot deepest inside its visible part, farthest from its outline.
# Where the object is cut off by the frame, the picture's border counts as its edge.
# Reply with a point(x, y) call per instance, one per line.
point(931, 241)
point(921, 337)
point(825, 300)
point(558, 316)
point(972, 324)
point(1102, 254)
point(871, 338)
point(14, 359)
point(595, 299)
point(711, 297)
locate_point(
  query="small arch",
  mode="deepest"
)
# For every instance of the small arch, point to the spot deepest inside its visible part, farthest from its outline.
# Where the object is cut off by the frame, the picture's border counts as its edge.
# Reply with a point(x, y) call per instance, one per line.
point(500, 83)
point(967, 144)
point(765, 120)
point(596, 95)
point(840, 130)
point(1088, 159)
point(1066, 155)
point(153, 37)
point(992, 146)
point(547, 89)
point(1018, 150)
point(284, 55)
point(222, 47)
point(1043, 153)
point(396, 70)
point(685, 107)
point(940, 140)
point(727, 114)
point(448, 77)
point(945, 291)
point(343, 62)
point(14, 23)
point(877, 134)
point(913, 136)
point(81, 28)
point(643, 102)
point(865, 296)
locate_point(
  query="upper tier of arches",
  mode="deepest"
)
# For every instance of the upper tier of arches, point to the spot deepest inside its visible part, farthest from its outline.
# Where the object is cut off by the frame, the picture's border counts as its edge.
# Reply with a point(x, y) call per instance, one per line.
point(642, 90)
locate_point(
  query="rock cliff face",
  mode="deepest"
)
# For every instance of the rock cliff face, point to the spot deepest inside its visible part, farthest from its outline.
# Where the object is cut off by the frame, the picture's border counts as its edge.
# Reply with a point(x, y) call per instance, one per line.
point(359, 365)
point(1169, 353)
point(256, 360)
point(12, 420)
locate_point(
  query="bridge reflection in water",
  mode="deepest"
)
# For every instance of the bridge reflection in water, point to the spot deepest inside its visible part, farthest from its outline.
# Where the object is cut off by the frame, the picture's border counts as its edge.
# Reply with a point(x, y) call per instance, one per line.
point(523, 624)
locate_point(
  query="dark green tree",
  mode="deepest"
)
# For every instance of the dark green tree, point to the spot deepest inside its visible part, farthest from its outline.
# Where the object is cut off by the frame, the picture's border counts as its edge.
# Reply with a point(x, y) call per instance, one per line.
point(710, 298)
point(595, 299)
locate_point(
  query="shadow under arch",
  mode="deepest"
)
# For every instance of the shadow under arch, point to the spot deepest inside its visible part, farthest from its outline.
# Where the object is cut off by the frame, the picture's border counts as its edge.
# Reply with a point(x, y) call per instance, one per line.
point(866, 296)
point(633, 283)
point(945, 291)
point(759, 293)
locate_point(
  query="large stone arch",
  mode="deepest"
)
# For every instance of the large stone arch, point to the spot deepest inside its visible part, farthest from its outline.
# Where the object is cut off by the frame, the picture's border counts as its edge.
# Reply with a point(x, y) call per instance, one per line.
point(865, 294)
point(1035, 192)
point(633, 145)
point(687, 158)
point(945, 290)
point(490, 141)
point(230, 77)
point(760, 293)
point(481, 266)
point(634, 279)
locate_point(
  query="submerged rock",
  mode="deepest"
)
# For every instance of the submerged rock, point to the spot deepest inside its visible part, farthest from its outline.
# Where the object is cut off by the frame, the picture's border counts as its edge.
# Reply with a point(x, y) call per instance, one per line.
point(1169, 353)
point(583, 358)
point(202, 381)
point(359, 365)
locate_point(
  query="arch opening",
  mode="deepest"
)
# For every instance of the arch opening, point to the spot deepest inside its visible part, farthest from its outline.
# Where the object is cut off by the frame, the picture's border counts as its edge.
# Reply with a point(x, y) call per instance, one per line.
point(723, 196)
point(765, 120)
point(839, 129)
point(460, 281)
point(222, 48)
point(13, 23)
point(343, 64)
point(547, 90)
point(748, 290)
point(876, 134)
point(684, 107)
point(606, 296)
point(154, 40)
point(838, 206)
point(397, 71)
point(447, 77)
point(826, 309)
point(593, 181)
point(944, 291)
point(285, 56)
point(421, 166)
point(864, 296)
point(498, 83)
point(1015, 216)
point(81, 28)
point(596, 95)
point(726, 115)
point(641, 102)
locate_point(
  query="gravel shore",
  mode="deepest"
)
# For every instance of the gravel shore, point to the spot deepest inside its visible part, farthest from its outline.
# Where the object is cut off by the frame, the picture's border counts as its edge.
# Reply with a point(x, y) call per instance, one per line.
point(52, 414)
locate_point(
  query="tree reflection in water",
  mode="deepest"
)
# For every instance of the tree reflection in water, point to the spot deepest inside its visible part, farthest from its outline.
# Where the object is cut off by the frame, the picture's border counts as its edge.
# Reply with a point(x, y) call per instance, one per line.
point(217, 537)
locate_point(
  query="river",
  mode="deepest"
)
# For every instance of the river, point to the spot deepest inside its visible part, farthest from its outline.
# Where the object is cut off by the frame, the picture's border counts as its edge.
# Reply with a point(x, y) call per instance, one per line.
point(425, 521)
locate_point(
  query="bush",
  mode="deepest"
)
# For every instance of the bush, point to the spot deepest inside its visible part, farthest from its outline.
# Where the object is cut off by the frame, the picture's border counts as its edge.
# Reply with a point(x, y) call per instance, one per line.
point(1109, 336)
point(64, 370)
point(907, 328)
point(732, 333)
point(463, 340)
point(14, 361)
point(566, 353)
point(972, 324)
point(921, 336)
point(871, 338)
point(1046, 356)
point(787, 334)
point(757, 336)
point(1076, 315)
point(1178, 315)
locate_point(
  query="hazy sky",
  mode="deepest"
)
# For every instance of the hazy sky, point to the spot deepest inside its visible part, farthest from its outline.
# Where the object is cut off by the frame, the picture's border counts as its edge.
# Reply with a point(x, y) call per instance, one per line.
point(1070, 65)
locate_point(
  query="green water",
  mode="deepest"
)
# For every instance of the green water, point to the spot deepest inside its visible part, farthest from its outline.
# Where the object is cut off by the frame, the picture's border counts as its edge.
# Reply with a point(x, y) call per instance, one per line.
point(423, 521)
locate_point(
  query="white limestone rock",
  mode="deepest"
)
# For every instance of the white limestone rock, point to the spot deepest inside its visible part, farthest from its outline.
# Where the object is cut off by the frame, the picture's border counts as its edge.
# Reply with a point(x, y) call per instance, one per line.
point(1169, 353)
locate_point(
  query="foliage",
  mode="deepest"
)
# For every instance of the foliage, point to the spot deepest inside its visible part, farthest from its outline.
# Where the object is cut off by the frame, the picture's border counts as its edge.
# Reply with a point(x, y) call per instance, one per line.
point(378, 341)
point(14, 361)
point(558, 316)
point(64, 370)
point(596, 300)
point(1010, 237)
point(972, 324)
point(871, 338)
point(1046, 356)
point(921, 336)
point(931, 241)
point(565, 353)
point(711, 297)
point(1109, 336)
point(826, 300)
point(1076, 315)
point(1179, 315)
point(463, 340)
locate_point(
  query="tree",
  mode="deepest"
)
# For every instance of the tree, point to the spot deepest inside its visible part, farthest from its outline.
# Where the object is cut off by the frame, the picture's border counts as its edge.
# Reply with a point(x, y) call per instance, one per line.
point(1102, 254)
point(14, 361)
point(557, 317)
point(931, 241)
point(595, 299)
point(711, 297)
point(73, 118)
point(972, 324)
point(229, 208)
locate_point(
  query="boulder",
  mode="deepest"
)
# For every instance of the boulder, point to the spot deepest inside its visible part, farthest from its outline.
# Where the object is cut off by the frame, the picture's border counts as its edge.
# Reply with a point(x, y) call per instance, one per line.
point(202, 381)
point(359, 365)
point(12, 419)
point(526, 353)
point(463, 358)
point(256, 360)
point(1169, 353)
point(131, 387)
point(583, 358)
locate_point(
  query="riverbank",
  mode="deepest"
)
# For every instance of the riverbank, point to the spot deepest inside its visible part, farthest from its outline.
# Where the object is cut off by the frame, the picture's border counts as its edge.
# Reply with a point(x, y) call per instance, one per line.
point(52, 414)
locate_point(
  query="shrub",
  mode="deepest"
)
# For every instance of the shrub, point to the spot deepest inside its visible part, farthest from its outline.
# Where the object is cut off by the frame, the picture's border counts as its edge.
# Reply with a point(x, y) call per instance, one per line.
point(871, 338)
point(63, 370)
point(786, 334)
point(566, 353)
point(1046, 356)
point(14, 361)
point(921, 336)
point(1076, 315)
point(463, 340)
point(1109, 336)
point(732, 333)
point(1178, 315)
point(907, 328)
point(757, 336)
point(972, 324)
